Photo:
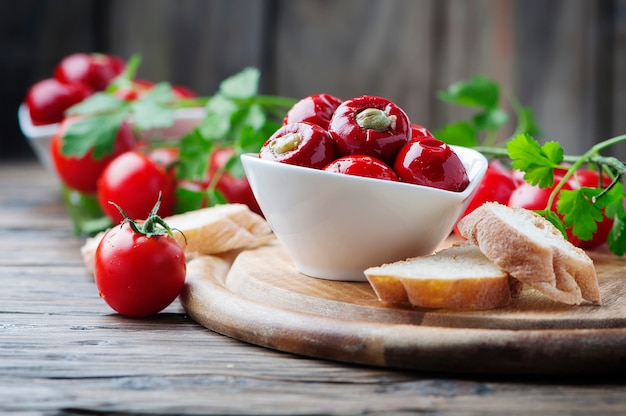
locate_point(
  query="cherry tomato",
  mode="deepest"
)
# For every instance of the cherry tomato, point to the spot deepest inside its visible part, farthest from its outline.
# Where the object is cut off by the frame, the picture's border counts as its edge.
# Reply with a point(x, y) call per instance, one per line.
point(136, 273)
point(362, 165)
point(314, 109)
point(301, 144)
point(134, 181)
point(591, 179)
point(82, 173)
point(431, 162)
point(496, 186)
point(94, 70)
point(234, 189)
point(370, 125)
point(180, 92)
point(48, 99)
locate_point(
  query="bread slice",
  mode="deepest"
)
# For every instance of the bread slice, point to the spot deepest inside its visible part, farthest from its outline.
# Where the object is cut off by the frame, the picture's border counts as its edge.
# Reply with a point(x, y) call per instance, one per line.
point(206, 231)
point(533, 251)
point(218, 229)
point(458, 277)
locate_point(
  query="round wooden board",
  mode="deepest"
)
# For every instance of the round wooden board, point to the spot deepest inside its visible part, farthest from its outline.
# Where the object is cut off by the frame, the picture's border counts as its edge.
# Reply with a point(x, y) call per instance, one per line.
point(257, 296)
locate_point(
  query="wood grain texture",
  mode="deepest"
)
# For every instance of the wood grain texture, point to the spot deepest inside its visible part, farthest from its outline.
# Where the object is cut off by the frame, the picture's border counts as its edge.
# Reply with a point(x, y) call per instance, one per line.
point(262, 299)
point(63, 352)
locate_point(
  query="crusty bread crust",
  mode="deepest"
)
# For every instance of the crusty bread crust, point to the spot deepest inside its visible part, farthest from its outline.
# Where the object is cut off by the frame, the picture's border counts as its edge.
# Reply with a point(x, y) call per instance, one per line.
point(533, 251)
point(463, 279)
point(206, 231)
point(217, 229)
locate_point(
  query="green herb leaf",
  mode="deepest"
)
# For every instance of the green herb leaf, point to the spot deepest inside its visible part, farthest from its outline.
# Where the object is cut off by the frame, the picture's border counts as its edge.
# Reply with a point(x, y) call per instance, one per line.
point(536, 161)
point(526, 123)
point(554, 220)
point(245, 84)
point(478, 91)
point(461, 133)
point(615, 209)
point(154, 109)
point(193, 156)
point(98, 103)
point(579, 212)
point(217, 121)
point(188, 200)
point(491, 119)
point(96, 132)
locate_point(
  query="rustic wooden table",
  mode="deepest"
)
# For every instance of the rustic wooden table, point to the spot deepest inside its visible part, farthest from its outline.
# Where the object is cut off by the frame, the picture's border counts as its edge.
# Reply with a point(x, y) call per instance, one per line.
point(62, 351)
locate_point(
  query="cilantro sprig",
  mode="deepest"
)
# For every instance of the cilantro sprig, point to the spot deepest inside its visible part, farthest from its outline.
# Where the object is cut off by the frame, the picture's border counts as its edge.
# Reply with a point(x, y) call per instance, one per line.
point(580, 209)
point(237, 117)
point(483, 96)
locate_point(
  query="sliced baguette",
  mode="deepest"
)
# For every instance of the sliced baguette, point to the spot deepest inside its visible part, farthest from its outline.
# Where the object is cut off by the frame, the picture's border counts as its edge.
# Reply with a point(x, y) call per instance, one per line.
point(206, 231)
point(533, 251)
point(458, 277)
point(218, 229)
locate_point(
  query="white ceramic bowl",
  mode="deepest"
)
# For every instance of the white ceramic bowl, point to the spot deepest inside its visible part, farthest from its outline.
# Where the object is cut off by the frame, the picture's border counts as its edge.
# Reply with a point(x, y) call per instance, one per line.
point(335, 226)
point(39, 136)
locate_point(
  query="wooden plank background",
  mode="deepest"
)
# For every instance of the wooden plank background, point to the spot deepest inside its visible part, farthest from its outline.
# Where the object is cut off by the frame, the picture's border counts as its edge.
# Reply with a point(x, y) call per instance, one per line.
point(565, 59)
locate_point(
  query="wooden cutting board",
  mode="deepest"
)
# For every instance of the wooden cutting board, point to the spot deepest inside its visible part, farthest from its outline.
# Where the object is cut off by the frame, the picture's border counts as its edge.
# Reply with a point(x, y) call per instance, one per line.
point(257, 296)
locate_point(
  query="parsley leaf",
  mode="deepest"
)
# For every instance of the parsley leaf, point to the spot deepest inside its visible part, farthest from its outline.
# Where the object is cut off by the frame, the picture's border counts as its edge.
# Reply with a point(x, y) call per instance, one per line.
point(491, 119)
point(236, 117)
point(99, 102)
point(478, 91)
point(96, 132)
point(245, 84)
point(579, 211)
point(536, 161)
point(526, 123)
point(154, 109)
point(460, 133)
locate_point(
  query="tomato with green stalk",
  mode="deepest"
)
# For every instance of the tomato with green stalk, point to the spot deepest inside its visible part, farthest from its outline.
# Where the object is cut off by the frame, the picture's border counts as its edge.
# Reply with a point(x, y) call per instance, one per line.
point(139, 268)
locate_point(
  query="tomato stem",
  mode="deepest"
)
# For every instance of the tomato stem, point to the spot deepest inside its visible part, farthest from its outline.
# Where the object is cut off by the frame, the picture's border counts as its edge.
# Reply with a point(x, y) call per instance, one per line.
point(153, 226)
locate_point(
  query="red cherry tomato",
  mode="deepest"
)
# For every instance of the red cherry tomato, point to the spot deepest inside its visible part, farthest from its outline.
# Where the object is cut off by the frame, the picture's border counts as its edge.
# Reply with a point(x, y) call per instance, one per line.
point(138, 275)
point(591, 179)
point(82, 173)
point(588, 178)
point(133, 181)
point(181, 92)
point(431, 162)
point(370, 125)
point(301, 144)
point(314, 109)
point(48, 99)
point(362, 165)
point(496, 186)
point(94, 70)
point(234, 189)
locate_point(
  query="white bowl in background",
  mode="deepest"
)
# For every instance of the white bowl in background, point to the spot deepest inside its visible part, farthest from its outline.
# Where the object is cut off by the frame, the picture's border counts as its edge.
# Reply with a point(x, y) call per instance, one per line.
point(334, 226)
point(39, 136)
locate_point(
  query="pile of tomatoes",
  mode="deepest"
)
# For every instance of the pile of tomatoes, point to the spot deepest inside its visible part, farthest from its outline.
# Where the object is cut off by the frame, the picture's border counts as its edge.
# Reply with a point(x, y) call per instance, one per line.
point(506, 186)
point(76, 77)
point(364, 136)
point(135, 172)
